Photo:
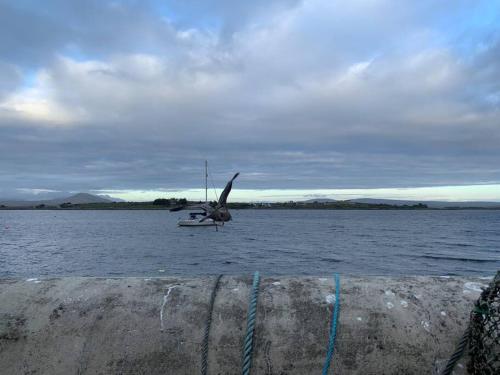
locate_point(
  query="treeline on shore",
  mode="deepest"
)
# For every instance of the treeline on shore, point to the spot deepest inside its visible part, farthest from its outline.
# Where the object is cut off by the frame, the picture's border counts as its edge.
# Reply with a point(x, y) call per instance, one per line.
point(337, 205)
point(158, 204)
point(163, 203)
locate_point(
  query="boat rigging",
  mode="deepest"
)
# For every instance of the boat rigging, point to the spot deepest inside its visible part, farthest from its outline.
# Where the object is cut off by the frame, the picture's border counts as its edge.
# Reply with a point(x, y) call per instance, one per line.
point(209, 215)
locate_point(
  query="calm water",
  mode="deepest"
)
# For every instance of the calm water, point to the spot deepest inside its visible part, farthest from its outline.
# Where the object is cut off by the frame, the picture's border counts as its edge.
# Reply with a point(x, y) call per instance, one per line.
point(140, 243)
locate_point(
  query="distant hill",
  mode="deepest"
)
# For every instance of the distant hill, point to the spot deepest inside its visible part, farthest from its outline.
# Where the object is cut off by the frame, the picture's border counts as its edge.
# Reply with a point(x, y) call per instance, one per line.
point(80, 198)
point(319, 200)
point(110, 198)
point(430, 204)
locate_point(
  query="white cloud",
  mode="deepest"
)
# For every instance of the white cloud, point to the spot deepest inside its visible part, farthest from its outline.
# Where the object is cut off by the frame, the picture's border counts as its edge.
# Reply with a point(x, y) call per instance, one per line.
point(314, 93)
point(36, 191)
point(35, 105)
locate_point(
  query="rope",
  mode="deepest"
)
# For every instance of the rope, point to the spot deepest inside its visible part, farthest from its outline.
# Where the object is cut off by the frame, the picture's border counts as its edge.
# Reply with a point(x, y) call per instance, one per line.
point(333, 329)
point(459, 351)
point(213, 185)
point(252, 311)
point(204, 347)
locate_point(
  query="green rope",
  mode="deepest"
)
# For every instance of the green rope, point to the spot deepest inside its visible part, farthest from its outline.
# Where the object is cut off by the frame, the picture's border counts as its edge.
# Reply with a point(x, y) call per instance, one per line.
point(204, 348)
point(459, 351)
point(333, 329)
point(252, 312)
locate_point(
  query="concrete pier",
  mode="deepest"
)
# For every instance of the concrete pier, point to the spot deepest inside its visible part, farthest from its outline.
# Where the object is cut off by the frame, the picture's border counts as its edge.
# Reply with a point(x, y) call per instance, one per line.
point(405, 325)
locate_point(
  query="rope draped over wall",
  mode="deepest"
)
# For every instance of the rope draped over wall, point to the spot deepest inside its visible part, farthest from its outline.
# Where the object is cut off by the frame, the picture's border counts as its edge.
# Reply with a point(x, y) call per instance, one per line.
point(204, 347)
point(252, 312)
point(250, 330)
point(459, 351)
point(333, 327)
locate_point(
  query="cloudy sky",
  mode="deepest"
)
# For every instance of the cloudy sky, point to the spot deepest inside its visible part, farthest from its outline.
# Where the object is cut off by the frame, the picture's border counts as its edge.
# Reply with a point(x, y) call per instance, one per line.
point(319, 98)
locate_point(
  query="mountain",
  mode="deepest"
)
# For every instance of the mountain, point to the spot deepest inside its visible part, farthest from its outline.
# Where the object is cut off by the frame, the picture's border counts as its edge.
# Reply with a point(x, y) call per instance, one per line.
point(80, 198)
point(430, 204)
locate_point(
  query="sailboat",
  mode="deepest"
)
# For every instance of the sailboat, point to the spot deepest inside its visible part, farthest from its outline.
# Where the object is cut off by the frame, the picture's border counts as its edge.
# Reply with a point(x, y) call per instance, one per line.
point(209, 216)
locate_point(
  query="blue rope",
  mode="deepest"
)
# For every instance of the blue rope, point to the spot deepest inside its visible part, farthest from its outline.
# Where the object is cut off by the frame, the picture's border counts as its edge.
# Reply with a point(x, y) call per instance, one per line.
point(333, 329)
point(252, 311)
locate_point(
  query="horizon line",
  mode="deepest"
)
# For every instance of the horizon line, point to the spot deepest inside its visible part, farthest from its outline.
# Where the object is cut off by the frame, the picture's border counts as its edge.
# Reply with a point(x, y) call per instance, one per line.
point(453, 193)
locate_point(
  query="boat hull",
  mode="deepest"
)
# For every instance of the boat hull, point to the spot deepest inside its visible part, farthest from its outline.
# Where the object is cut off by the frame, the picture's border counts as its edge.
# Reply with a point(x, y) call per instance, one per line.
point(197, 223)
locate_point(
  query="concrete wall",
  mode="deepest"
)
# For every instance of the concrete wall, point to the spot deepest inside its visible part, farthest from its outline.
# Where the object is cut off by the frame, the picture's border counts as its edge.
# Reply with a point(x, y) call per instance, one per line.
point(155, 326)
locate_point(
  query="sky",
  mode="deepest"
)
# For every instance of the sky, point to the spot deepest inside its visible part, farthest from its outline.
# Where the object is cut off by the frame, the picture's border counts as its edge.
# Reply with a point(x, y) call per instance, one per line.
point(306, 99)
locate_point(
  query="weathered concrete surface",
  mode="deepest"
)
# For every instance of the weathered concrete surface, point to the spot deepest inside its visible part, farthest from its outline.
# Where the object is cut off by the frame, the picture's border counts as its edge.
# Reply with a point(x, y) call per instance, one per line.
point(155, 326)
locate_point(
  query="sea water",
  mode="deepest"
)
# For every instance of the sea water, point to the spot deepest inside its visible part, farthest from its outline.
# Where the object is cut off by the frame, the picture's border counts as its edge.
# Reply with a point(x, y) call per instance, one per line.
point(41, 243)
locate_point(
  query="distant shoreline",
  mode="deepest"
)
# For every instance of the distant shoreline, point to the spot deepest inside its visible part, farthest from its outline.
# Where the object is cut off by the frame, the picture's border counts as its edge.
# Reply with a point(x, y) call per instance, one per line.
point(337, 205)
point(85, 201)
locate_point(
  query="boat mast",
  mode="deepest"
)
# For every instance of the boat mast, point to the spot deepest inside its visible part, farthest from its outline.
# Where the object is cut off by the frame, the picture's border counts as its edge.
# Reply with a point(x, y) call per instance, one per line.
point(206, 181)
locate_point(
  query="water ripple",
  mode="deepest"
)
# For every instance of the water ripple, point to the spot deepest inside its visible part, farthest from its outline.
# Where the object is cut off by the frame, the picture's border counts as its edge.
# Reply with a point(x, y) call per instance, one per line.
point(306, 242)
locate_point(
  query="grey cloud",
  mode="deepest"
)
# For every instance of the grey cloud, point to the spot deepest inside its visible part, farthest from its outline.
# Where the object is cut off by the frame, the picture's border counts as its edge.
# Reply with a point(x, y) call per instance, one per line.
point(298, 97)
point(33, 36)
point(229, 16)
point(10, 78)
point(26, 36)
